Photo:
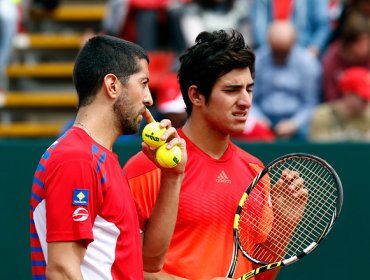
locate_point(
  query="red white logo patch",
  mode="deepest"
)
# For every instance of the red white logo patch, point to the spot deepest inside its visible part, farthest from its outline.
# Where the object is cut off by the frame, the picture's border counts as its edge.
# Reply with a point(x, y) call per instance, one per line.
point(222, 178)
point(80, 214)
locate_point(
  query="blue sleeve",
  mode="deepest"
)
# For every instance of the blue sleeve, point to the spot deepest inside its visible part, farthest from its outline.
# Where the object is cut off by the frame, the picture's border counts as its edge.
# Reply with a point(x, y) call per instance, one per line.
point(319, 24)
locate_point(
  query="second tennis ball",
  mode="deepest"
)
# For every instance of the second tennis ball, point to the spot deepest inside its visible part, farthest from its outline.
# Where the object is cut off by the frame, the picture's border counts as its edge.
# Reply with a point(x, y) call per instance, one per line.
point(152, 134)
point(168, 158)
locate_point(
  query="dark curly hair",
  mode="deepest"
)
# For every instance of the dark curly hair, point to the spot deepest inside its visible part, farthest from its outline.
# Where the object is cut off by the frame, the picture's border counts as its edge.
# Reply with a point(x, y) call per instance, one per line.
point(213, 55)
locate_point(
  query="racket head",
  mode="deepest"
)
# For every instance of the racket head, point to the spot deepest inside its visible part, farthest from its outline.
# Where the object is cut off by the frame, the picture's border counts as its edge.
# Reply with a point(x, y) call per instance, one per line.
point(262, 235)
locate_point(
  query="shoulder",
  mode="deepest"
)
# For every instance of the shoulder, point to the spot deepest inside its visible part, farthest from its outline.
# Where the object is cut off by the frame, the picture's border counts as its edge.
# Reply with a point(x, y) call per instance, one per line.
point(138, 165)
point(71, 146)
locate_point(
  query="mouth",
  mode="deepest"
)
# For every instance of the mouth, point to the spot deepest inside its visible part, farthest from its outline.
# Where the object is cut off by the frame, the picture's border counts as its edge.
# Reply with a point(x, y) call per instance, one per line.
point(140, 116)
point(142, 112)
point(240, 115)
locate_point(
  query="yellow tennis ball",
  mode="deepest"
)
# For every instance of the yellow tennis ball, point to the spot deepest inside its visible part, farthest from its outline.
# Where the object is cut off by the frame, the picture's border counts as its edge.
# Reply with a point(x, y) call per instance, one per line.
point(168, 158)
point(152, 134)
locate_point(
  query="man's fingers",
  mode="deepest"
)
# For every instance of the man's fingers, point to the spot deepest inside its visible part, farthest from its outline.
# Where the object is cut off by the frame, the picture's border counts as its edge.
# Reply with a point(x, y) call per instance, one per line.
point(148, 116)
point(301, 194)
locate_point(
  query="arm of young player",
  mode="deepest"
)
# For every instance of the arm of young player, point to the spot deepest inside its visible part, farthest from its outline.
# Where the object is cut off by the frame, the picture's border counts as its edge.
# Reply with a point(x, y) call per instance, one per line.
point(64, 260)
point(161, 223)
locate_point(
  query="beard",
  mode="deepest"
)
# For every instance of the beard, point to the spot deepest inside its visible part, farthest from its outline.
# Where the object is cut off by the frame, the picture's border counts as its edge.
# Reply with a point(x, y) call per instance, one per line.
point(126, 117)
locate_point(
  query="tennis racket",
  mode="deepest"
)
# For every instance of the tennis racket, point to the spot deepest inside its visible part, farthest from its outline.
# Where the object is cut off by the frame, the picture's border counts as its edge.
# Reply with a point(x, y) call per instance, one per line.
point(286, 211)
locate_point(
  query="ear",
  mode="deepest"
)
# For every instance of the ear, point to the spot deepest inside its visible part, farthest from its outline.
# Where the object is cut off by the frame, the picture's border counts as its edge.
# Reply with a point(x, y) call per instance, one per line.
point(111, 84)
point(194, 95)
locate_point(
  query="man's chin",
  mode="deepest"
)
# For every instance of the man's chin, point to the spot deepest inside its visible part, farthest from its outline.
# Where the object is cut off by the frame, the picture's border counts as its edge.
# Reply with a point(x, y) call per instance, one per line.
point(238, 129)
point(130, 130)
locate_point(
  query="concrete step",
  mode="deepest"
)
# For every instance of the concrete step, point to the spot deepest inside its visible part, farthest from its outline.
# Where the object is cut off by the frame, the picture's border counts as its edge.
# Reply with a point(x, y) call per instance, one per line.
point(72, 12)
point(29, 129)
point(37, 99)
point(40, 70)
point(49, 40)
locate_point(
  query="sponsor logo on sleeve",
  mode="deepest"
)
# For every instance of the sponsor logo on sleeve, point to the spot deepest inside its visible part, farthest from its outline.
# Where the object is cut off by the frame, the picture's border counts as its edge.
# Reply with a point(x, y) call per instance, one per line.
point(80, 197)
point(80, 214)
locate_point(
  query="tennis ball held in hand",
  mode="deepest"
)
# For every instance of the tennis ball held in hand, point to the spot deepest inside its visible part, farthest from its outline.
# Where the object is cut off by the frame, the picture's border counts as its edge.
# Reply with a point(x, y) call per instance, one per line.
point(168, 158)
point(152, 134)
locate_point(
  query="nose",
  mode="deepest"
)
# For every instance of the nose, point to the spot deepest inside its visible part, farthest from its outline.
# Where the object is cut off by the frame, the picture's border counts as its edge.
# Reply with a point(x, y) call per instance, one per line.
point(147, 100)
point(245, 99)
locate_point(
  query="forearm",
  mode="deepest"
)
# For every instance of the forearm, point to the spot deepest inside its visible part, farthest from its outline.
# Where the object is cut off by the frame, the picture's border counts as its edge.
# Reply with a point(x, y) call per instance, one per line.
point(64, 260)
point(162, 222)
point(60, 272)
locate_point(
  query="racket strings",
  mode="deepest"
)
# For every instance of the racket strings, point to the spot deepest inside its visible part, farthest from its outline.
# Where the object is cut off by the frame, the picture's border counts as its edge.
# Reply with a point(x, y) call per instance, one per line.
point(316, 213)
point(280, 237)
point(319, 209)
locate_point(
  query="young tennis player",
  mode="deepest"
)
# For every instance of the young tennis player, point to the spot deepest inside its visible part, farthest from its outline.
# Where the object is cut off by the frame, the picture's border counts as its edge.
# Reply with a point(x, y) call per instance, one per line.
point(216, 80)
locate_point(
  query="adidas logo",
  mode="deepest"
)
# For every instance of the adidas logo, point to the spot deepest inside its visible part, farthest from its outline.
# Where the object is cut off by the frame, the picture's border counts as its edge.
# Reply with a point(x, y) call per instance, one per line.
point(222, 178)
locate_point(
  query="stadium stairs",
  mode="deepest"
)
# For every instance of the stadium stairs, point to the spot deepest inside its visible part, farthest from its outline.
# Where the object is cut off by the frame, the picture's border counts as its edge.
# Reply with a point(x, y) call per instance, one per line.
point(42, 99)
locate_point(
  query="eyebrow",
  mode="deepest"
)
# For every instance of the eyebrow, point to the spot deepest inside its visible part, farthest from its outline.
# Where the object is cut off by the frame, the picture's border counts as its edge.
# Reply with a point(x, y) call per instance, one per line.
point(146, 79)
point(238, 86)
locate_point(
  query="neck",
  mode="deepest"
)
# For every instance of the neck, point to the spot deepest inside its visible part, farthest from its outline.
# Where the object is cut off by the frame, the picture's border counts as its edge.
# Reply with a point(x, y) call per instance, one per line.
point(209, 140)
point(97, 127)
point(84, 127)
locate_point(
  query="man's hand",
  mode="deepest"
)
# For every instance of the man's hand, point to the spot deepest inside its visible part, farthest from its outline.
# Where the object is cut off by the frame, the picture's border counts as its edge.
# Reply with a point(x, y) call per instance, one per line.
point(289, 198)
point(172, 138)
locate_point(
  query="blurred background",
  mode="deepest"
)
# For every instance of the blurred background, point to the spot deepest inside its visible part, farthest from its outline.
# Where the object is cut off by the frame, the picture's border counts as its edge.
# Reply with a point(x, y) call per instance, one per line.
point(311, 94)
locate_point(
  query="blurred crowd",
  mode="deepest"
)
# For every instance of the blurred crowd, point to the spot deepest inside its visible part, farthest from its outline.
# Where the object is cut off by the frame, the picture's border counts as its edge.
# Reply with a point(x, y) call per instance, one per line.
point(312, 58)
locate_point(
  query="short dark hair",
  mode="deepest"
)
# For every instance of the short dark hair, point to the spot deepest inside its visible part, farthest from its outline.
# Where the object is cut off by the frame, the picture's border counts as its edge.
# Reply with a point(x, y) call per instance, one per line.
point(101, 55)
point(213, 55)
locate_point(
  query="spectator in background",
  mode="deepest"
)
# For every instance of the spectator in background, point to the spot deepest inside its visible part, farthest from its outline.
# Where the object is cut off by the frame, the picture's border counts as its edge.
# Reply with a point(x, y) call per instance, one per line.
point(351, 49)
point(210, 15)
point(8, 29)
point(310, 18)
point(286, 87)
point(348, 117)
point(169, 101)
